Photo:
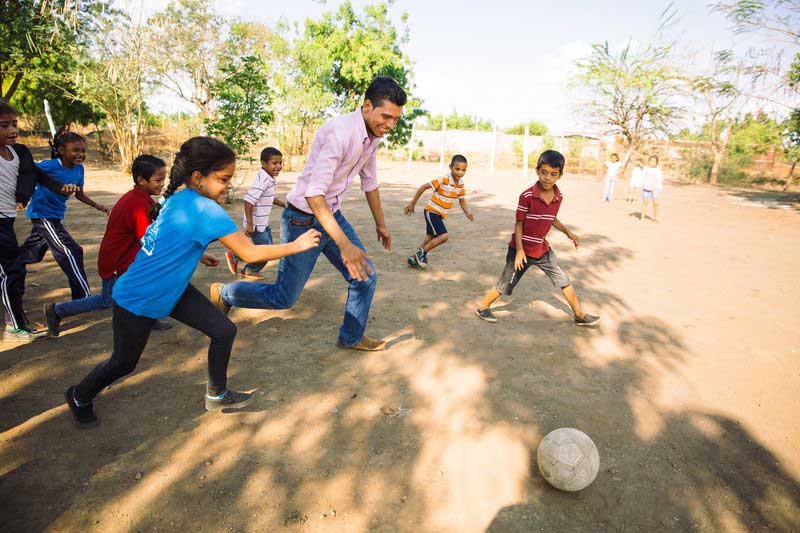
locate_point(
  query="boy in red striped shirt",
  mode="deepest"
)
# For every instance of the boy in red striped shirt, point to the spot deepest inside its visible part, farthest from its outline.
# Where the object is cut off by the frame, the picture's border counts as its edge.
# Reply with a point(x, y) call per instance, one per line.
point(536, 213)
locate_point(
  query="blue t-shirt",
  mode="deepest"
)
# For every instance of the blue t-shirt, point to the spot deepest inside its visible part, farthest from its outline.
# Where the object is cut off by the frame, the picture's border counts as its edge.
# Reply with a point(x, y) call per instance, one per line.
point(171, 249)
point(44, 202)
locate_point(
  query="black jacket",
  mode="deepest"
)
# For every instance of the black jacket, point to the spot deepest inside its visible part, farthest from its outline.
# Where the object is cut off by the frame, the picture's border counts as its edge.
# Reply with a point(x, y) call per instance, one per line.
point(30, 175)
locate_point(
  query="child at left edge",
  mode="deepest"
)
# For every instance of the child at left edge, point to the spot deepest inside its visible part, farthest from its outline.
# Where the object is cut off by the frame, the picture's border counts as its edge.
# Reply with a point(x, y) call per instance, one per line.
point(258, 203)
point(445, 190)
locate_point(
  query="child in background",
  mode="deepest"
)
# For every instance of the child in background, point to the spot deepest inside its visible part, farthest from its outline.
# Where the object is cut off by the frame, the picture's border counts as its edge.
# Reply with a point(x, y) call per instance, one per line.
point(157, 283)
point(257, 206)
point(536, 213)
point(612, 171)
point(127, 224)
point(445, 190)
point(47, 210)
point(635, 184)
point(18, 177)
point(652, 184)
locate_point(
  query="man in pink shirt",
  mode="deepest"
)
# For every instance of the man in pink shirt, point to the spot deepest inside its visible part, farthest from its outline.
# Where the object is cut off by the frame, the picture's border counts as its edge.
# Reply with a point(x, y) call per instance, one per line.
point(345, 146)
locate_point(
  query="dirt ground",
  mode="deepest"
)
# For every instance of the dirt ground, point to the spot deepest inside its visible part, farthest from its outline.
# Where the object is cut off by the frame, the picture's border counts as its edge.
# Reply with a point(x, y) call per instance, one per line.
point(689, 387)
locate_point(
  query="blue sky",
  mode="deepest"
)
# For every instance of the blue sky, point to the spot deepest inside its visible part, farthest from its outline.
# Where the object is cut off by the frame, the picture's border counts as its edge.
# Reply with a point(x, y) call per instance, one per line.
point(509, 60)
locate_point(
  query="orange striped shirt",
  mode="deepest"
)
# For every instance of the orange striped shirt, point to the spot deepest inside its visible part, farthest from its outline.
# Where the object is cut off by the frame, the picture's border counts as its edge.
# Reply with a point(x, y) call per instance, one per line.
point(445, 191)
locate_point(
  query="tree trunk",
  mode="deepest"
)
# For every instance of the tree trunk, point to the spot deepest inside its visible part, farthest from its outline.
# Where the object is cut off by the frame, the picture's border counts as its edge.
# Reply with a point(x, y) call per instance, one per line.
point(11, 88)
point(713, 173)
point(790, 176)
point(720, 148)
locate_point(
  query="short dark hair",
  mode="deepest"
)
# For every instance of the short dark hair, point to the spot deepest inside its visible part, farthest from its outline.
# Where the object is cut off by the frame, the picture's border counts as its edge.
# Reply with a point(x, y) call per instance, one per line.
point(7, 109)
point(551, 158)
point(458, 158)
point(269, 152)
point(653, 157)
point(385, 88)
point(615, 154)
point(145, 166)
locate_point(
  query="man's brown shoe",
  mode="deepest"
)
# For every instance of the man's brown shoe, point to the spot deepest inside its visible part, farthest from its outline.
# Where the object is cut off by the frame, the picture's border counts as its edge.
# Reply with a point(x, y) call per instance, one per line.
point(366, 344)
point(216, 298)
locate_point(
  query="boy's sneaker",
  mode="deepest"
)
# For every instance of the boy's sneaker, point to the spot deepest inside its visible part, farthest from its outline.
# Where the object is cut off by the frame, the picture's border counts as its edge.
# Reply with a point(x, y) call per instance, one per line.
point(586, 320)
point(233, 264)
point(229, 400)
point(253, 276)
point(52, 320)
point(216, 298)
point(486, 315)
point(412, 261)
point(23, 335)
point(83, 415)
point(421, 257)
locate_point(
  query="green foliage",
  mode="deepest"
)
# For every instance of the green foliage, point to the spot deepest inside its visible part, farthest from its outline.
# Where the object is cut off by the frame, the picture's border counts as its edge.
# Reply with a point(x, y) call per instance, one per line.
point(753, 135)
point(243, 98)
point(457, 121)
point(534, 128)
point(44, 42)
point(346, 49)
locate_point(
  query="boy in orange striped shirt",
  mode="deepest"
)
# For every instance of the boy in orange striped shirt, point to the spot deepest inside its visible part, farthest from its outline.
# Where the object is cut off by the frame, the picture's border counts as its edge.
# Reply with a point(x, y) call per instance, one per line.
point(445, 190)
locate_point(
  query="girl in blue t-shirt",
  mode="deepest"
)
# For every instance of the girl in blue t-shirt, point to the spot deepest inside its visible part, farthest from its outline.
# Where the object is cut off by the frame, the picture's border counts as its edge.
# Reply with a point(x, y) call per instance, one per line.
point(47, 209)
point(157, 283)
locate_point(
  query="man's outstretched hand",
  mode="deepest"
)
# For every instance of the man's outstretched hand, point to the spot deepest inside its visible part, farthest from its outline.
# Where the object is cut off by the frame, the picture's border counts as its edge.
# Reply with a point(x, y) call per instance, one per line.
point(384, 237)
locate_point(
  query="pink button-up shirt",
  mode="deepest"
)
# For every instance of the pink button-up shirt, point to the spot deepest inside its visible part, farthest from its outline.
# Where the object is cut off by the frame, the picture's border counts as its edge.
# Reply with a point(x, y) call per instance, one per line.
point(341, 149)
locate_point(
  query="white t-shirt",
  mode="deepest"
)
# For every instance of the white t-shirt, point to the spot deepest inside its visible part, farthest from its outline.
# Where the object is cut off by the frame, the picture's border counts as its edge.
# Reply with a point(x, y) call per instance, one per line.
point(9, 172)
point(637, 178)
point(261, 194)
point(653, 179)
point(612, 170)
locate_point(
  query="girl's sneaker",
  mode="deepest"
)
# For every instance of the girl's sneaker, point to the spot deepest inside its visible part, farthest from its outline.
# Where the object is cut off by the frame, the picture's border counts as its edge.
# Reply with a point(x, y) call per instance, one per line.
point(23, 335)
point(486, 314)
point(83, 414)
point(233, 264)
point(230, 399)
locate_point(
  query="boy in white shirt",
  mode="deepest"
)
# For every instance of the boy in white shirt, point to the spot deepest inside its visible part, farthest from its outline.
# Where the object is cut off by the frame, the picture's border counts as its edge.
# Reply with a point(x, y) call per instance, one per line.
point(652, 184)
point(258, 203)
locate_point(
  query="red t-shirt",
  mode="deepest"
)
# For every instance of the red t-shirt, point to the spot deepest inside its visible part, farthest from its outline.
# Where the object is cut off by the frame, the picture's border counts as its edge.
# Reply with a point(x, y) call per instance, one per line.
point(127, 223)
point(537, 218)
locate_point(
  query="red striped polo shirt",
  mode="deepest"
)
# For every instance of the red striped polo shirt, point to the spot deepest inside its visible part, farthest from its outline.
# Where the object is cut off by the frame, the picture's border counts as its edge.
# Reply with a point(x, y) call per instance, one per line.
point(537, 217)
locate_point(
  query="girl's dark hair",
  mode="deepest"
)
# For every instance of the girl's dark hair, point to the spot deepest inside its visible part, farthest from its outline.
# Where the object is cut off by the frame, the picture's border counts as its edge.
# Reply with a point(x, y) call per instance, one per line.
point(145, 166)
point(653, 157)
point(6, 108)
point(198, 154)
point(62, 138)
point(615, 154)
point(551, 158)
point(458, 158)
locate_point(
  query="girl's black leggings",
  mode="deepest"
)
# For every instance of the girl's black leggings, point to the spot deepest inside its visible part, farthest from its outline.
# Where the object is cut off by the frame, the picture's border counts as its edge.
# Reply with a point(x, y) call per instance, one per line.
point(132, 331)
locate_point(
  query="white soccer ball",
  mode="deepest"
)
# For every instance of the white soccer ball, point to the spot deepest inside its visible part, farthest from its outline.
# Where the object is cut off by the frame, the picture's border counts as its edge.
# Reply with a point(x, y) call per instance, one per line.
point(568, 459)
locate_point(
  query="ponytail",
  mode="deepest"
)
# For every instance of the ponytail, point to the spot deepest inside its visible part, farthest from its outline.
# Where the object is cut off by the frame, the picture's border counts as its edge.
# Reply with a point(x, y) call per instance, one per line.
point(198, 154)
point(61, 138)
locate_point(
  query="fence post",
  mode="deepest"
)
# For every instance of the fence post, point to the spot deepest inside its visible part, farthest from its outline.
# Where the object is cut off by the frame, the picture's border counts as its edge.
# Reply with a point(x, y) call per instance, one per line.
point(493, 148)
point(444, 140)
point(411, 144)
point(525, 153)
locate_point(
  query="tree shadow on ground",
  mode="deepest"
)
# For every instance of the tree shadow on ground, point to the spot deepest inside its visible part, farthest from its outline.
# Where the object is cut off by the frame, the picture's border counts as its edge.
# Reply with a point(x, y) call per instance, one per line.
point(764, 199)
point(436, 433)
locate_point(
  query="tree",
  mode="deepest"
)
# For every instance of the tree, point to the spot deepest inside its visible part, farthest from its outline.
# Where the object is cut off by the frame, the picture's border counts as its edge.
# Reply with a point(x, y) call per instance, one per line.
point(631, 93)
point(346, 49)
point(38, 35)
point(534, 128)
point(243, 104)
point(111, 81)
point(791, 145)
point(184, 45)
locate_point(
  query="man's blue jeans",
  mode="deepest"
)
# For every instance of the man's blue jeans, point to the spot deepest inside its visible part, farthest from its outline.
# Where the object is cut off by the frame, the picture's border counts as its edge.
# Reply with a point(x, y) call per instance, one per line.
point(294, 271)
point(95, 302)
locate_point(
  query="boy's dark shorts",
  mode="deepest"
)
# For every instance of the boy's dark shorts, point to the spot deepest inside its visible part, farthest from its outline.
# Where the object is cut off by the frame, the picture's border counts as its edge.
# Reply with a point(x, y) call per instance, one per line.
point(434, 224)
point(548, 263)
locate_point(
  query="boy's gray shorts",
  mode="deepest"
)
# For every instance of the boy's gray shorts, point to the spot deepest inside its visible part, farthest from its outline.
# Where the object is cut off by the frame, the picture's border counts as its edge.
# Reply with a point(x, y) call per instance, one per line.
point(548, 263)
